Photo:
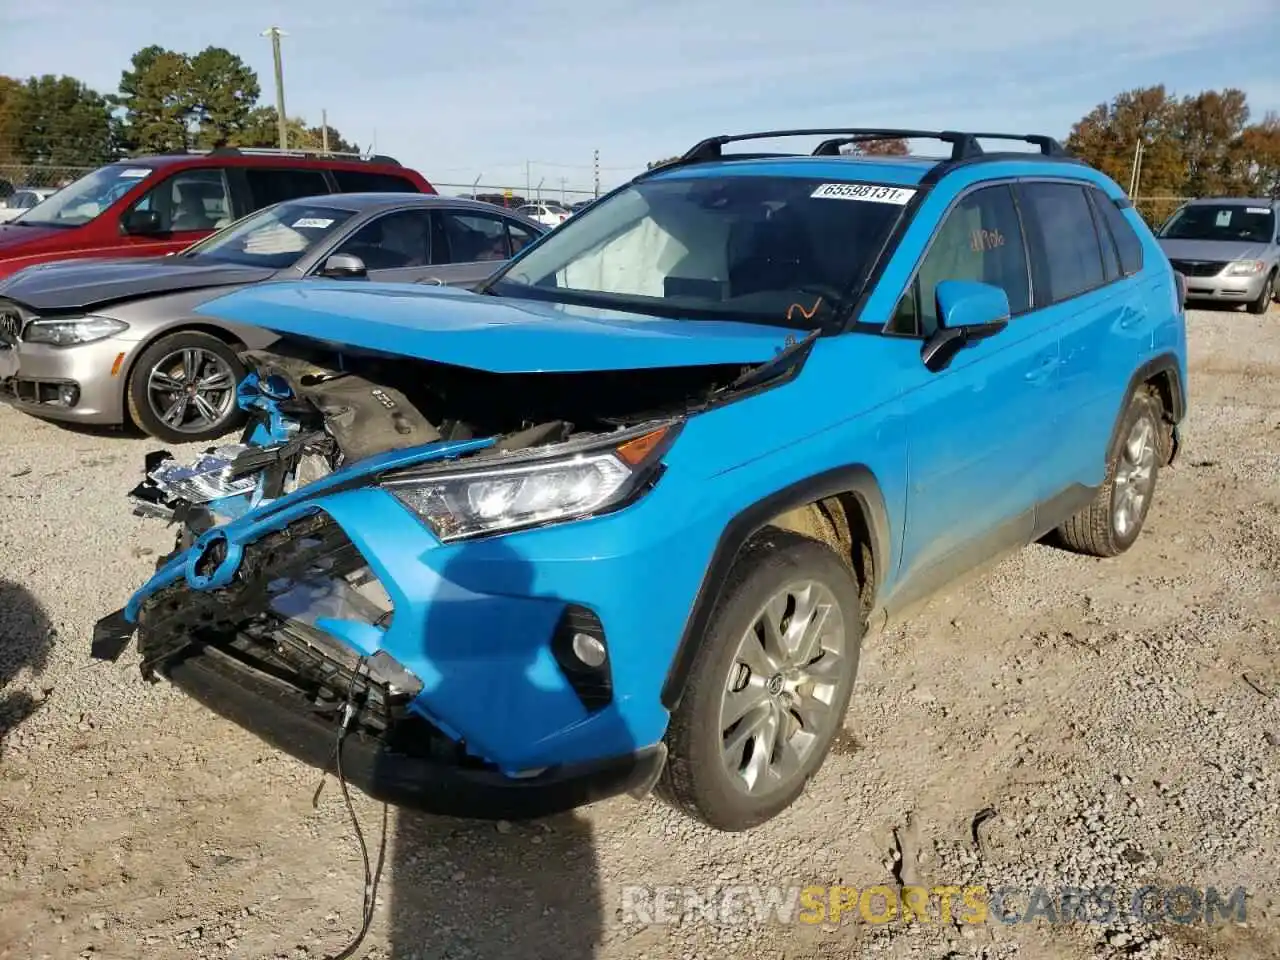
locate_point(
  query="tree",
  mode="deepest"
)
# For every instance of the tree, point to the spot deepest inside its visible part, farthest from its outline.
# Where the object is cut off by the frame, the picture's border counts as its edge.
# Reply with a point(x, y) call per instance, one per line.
point(1260, 149)
point(658, 163)
point(59, 121)
point(223, 91)
point(10, 92)
point(158, 101)
point(260, 130)
point(896, 147)
point(1209, 131)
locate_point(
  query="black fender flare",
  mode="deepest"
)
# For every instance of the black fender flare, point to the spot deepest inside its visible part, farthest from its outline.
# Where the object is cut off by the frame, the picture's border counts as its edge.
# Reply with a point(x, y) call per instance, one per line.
point(854, 480)
point(1163, 363)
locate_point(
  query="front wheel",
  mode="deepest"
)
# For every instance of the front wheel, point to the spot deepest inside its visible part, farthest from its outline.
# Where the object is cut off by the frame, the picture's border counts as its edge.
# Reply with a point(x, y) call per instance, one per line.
point(769, 686)
point(1263, 303)
point(183, 388)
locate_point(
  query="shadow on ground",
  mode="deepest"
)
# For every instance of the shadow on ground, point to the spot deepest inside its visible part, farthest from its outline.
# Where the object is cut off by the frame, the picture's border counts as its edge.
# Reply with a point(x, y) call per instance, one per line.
point(26, 636)
point(464, 888)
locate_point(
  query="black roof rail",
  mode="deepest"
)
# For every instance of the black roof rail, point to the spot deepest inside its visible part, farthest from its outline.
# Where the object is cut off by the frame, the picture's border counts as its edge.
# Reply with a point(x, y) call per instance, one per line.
point(964, 145)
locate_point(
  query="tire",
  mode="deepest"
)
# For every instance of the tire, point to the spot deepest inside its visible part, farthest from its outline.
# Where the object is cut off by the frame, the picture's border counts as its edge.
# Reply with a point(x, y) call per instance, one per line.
point(1112, 522)
point(1263, 303)
point(167, 356)
point(697, 777)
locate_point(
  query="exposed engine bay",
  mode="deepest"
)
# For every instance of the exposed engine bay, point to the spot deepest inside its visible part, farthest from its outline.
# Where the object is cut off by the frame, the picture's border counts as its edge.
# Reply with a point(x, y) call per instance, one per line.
point(314, 408)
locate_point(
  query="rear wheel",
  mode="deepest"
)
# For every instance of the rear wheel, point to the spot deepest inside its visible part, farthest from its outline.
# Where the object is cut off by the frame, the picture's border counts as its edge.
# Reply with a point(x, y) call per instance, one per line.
point(1111, 523)
point(183, 388)
point(769, 686)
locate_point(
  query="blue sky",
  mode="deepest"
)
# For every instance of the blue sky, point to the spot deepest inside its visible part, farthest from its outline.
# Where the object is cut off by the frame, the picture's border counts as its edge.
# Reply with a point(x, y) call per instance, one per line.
point(465, 90)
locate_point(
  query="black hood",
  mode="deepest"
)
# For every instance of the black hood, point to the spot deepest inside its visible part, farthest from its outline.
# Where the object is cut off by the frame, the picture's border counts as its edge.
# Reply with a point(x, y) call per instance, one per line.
point(82, 284)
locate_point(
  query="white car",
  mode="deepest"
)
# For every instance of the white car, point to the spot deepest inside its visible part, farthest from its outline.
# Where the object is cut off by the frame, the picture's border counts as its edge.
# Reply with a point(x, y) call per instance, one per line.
point(546, 211)
point(22, 200)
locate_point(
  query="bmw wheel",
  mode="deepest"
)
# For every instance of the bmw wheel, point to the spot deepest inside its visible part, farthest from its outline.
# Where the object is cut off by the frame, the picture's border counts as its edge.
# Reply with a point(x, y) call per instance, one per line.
point(769, 686)
point(183, 388)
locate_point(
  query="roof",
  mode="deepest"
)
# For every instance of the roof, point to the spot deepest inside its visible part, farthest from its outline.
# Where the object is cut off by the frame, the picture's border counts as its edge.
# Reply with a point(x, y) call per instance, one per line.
point(1234, 202)
point(381, 200)
point(253, 158)
point(898, 171)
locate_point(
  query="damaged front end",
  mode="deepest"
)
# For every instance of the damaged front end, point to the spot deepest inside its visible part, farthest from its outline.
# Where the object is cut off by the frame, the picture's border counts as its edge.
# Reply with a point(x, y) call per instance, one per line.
point(340, 565)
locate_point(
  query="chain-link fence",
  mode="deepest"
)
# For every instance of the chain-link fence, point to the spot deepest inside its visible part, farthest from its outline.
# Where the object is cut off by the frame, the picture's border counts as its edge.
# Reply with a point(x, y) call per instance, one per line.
point(15, 176)
point(1156, 210)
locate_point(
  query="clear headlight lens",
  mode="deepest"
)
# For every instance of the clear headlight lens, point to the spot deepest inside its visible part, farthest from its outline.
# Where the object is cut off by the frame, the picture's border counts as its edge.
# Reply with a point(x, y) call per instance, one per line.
point(469, 503)
point(72, 330)
point(1245, 268)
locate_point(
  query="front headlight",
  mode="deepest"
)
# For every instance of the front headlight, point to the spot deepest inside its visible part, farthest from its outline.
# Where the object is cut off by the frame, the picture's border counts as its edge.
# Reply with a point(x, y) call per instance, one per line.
point(1245, 268)
point(69, 331)
point(532, 491)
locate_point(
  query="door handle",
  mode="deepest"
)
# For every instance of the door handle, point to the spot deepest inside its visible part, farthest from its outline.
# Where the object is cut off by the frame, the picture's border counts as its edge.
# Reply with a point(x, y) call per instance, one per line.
point(1042, 369)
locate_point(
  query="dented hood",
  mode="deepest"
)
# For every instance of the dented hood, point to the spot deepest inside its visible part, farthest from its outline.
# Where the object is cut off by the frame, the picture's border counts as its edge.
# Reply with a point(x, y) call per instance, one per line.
point(496, 334)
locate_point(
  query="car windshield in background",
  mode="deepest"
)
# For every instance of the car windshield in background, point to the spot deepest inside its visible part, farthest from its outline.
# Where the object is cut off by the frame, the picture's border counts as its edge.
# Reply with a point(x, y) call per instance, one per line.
point(86, 198)
point(277, 237)
point(778, 250)
point(1232, 222)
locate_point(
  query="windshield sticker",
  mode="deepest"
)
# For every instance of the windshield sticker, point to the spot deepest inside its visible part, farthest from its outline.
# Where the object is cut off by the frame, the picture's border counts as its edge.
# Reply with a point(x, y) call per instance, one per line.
point(864, 191)
point(1259, 209)
point(1223, 219)
point(312, 223)
point(136, 173)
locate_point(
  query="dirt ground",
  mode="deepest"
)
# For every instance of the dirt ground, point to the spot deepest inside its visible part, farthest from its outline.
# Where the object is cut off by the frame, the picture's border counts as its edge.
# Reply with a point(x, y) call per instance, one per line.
point(1103, 722)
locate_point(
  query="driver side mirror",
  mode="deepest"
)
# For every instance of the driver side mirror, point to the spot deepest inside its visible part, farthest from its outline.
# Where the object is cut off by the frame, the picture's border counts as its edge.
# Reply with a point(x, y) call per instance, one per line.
point(967, 312)
point(141, 223)
point(344, 266)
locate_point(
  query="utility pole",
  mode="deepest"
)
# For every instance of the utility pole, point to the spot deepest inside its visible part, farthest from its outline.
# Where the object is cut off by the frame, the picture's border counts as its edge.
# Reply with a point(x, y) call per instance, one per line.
point(596, 164)
point(1136, 173)
point(528, 179)
point(324, 131)
point(275, 33)
point(563, 181)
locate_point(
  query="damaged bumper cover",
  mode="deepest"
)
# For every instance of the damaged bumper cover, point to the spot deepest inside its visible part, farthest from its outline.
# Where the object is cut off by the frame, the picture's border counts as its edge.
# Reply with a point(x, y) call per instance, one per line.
point(469, 701)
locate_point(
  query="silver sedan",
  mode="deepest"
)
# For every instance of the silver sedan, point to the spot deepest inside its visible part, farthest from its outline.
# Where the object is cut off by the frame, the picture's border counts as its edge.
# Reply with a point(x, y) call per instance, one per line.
point(112, 341)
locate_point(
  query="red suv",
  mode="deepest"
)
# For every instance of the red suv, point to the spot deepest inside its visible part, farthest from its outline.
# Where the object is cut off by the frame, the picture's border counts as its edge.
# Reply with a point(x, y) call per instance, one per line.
point(149, 206)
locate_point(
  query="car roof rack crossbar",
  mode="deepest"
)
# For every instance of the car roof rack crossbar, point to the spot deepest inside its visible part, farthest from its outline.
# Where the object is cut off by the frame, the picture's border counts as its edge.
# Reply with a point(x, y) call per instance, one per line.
point(277, 152)
point(964, 145)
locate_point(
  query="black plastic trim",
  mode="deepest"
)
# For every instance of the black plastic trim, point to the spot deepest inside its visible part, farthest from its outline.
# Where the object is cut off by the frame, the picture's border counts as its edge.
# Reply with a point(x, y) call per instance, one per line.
point(425, 784)
point(855, 479)
point(1165, 363)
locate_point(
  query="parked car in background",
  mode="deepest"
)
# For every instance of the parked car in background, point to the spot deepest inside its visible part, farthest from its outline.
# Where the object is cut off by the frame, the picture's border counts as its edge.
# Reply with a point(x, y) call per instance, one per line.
point(581, 205)
point(1228, 248)
point(99, 341)
point(624, 514)
point(22, 200)
point(147, 206)
point(546, 211)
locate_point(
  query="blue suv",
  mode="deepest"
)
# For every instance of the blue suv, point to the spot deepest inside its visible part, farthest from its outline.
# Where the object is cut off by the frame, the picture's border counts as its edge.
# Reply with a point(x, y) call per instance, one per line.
point(621, 518)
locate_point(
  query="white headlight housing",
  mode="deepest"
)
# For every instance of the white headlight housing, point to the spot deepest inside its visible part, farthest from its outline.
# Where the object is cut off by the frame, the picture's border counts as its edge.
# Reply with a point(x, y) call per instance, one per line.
point(531, 491)
point(1245, 268)
point(69, 331)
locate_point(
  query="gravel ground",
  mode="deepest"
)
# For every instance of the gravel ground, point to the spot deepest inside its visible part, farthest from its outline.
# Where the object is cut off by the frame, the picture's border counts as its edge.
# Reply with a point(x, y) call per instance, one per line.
point(1103, 723)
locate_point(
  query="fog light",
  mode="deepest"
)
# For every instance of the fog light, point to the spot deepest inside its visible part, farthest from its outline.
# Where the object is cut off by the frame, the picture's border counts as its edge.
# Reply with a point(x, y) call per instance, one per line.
point(588, 649)
point(68, 394)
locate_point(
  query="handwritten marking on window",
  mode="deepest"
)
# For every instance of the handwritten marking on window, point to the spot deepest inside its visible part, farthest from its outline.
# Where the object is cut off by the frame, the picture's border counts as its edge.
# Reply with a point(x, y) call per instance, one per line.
point(982, 240)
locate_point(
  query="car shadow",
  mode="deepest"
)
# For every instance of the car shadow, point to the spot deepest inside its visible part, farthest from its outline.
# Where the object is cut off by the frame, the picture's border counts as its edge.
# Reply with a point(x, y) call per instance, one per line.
point(484, 888)
point(26, 637)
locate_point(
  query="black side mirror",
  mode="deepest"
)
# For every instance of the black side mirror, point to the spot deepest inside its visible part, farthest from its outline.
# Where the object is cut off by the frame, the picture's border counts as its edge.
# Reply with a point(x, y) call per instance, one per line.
point(967, 312)
point(344, 266)
point(141, 223)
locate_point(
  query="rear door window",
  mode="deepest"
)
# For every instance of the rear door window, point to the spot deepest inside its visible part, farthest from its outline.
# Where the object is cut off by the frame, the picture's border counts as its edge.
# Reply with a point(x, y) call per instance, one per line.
point(1069, 254)
point(473, 237)
point(190, 200)
point(362, 181)
point(269, 185)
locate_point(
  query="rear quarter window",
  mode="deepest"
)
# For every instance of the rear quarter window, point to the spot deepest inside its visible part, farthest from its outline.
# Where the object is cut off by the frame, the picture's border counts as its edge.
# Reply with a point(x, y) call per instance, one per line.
point(362, 181)
point(270, 186)
point(1070, 261)
point(1127, 242)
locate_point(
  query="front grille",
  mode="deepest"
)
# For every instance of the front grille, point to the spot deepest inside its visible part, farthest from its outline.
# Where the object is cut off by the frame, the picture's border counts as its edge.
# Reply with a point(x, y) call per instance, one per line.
point(1198, 268)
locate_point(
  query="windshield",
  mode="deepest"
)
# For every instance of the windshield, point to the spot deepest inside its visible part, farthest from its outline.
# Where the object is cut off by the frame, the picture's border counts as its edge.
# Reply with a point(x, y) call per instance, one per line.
point(1232, 222)
point(276, 238)
point(81, 201)
point(777, 250)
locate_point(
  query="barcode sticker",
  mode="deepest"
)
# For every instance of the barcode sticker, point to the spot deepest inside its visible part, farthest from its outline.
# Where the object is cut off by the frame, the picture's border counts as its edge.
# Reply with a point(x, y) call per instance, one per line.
point(136, 173)
point(1259, 209)
point(864, 191)
point(312, 223)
